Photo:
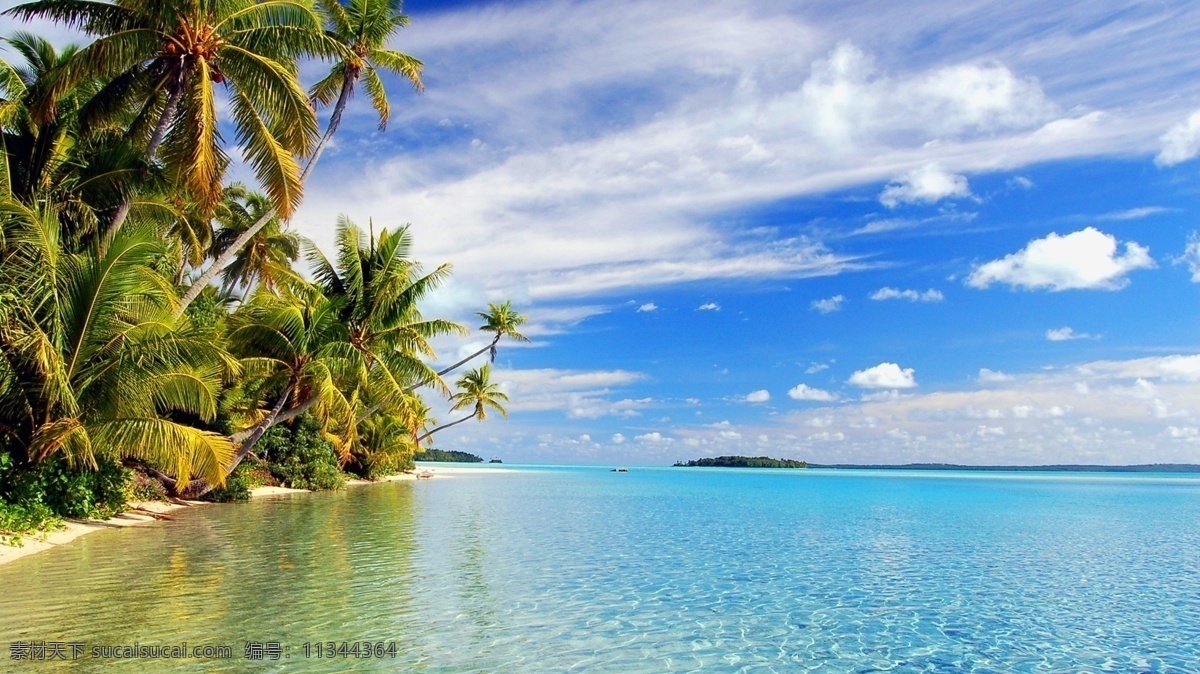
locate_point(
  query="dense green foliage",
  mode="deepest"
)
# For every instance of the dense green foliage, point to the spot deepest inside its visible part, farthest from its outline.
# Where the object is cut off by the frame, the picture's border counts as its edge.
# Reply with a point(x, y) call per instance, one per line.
point(744, 462)
point(119, 378)
point(300, 456)
point(450, 456)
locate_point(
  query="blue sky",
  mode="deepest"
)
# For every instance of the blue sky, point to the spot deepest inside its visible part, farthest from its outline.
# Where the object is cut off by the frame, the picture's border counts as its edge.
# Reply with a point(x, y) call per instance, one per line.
point(870, 232)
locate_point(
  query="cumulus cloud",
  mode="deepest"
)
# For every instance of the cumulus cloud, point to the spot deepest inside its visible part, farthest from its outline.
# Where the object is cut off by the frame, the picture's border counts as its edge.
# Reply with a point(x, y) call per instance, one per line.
point(1083, 260)
point(884, 375)
point(814, 368)
point(1065, 334)
point(888, 293)
point(806, 392)
point(709, 306)
point(647, 308)
point(759, 396)
point(653, 438)
point(618, 439)
point(1191, 256)
point(829, 304)
point(926, 185)
point(1181, 142)
point(987, 376)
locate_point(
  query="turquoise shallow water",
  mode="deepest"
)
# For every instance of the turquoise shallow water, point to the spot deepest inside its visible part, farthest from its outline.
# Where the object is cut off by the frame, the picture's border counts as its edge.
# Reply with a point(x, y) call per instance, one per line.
point(578, 569)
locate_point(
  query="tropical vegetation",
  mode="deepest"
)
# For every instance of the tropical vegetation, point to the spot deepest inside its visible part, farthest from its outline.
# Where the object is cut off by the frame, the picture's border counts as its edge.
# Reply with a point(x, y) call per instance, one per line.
point(164, 330)
point(742, 462)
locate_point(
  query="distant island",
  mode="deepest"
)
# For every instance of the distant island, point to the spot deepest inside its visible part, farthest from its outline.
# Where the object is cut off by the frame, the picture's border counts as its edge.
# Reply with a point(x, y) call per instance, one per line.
point(743, 462)
point(1080, 468)
point(768, 462)
point(448, 456)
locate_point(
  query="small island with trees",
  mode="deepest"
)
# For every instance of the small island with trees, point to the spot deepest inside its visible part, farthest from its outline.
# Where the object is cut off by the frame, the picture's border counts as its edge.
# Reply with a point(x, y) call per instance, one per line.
point(448, 456)
point(742, 462)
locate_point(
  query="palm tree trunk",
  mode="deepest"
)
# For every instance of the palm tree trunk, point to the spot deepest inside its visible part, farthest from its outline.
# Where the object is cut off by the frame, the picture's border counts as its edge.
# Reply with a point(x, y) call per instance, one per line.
point(222, 261)
point(247, 439)
point(156, 139)
point(375, 408)
point(452, 423)
point(464, 361)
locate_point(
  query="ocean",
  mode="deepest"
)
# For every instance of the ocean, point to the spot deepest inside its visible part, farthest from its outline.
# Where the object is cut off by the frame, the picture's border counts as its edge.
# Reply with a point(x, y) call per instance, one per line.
point(553, 569)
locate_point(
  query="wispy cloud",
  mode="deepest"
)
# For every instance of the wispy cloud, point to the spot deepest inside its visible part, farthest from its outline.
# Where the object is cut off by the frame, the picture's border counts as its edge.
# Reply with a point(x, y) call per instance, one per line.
point(718, 108)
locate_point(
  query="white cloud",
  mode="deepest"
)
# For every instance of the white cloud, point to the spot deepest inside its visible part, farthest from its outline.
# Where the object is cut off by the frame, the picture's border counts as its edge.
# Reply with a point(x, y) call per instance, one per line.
point(647, 308)
point(987, 376)
point(1191, 256)
point(806, 392)
point(1181, 142)
point(884, 375)
point(926, 185)
point(1108, 412)
point(618, 439)
point(814, 368)
point(1020, 182)
point(654, 438)
point(580, 394)
point(829, 304)
point(1065, 334)
point(888, 293)
point(1086, 259)
point(759, 396)
point(709, 306)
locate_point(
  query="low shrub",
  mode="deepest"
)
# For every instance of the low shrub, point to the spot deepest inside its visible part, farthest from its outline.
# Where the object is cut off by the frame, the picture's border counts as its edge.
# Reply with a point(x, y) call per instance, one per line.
point(300, 456)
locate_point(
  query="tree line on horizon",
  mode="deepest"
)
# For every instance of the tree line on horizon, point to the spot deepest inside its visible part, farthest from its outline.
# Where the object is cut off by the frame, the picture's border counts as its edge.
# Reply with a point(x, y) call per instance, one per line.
point(156, 317)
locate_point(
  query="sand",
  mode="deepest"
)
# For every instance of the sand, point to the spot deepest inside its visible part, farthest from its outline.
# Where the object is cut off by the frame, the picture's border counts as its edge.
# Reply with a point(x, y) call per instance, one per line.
point(33, 543)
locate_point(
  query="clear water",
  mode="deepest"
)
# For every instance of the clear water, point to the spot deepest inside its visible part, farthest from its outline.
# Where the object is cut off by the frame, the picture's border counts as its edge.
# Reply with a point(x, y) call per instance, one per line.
point(655, 570)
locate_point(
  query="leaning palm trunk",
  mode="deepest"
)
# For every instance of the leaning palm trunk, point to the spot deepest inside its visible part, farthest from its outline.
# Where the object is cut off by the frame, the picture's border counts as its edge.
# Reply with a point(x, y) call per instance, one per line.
point(412, 387)
point(156, 139)
point(225, 258)
point(249, 437)
point(445, 426)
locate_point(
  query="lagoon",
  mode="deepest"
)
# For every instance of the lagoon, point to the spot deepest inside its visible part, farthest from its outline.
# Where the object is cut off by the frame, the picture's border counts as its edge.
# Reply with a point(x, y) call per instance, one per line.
point(529, 569)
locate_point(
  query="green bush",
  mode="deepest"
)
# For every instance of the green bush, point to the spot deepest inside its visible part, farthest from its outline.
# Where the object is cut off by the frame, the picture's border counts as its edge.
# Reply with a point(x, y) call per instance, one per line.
point(25, 518)
point(381, 464)
point(300, 456)
point(36, 498)
point(66, 490)
point(237, 486)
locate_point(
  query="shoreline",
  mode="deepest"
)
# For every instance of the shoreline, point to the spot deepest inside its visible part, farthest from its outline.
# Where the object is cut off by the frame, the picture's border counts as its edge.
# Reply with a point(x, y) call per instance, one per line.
point(144, 512)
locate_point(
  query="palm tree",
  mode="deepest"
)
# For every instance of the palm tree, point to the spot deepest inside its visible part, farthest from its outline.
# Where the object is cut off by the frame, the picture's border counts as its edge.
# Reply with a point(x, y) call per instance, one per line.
point(362, 28)
point(476, 391)
point(501, 319)
point(379, 288)
point(166, 57)
point(268, 258)
point(86, 170)
point(294, 348)
point(92, 365)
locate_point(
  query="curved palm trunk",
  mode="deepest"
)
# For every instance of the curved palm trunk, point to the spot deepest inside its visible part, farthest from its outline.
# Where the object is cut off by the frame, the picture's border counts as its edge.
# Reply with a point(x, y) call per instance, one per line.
point(490, 347)
point(222, 261)
point(443, 426)
point(250, 436)
point(156, 139)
